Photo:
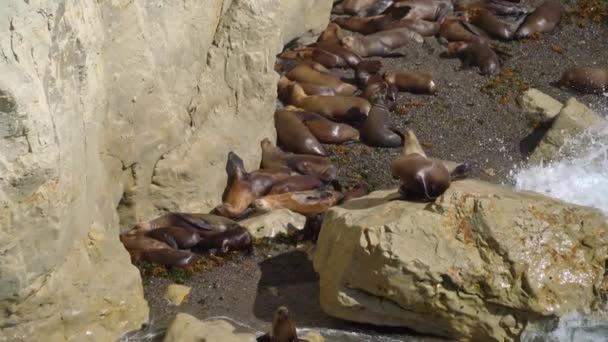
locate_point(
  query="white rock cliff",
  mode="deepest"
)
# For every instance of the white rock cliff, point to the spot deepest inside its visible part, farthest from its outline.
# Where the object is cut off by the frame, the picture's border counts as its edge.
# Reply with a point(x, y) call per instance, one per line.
point(112, 112)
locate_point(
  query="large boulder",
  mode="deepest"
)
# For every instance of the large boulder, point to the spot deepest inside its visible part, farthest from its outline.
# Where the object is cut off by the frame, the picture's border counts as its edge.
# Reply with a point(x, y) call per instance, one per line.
point(187, 328)
point(573, 119)
point(478, 264)
point(120, 104)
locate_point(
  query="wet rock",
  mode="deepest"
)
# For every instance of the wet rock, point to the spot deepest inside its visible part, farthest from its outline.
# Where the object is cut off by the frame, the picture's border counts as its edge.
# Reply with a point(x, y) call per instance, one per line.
point(572, 120)
point(176, 293)
point(186, 328)
point(274, 222)
point(478, 264)
point(120, 104)
point(539, 107)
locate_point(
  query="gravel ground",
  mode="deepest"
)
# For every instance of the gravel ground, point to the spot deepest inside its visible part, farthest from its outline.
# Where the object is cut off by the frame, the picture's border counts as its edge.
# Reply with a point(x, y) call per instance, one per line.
point(462, 122)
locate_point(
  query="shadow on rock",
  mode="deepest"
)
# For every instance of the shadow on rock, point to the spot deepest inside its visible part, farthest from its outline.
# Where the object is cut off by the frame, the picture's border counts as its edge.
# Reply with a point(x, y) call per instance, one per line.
point(529, 143)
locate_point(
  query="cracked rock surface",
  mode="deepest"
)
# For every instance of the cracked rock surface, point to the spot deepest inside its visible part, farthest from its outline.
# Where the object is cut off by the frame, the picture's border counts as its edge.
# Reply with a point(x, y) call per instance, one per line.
point(479, 264)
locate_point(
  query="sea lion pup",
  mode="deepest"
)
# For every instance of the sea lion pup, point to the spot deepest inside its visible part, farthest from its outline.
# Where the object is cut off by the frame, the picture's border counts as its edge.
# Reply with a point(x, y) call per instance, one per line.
point(327, 131)
point(423, 178)
point(245, 187)
point(338, 108)
point(489, 23)
point(274, 158)
point(585, 79)
point(235, 239)
point(454, 29)
point(176, 237)
point(377, 130)
point(294, 135)
point(544, 19)
point(304, 73)
point(412, 81)
point(296, 183)
point(431, 10)
point(479, 54)
point(141, 247)
point(381, 43)
point(302, 202)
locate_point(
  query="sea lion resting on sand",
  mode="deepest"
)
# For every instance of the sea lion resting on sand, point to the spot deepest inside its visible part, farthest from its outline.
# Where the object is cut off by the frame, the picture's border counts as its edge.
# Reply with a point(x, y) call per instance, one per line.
point(305, 74)
point(294, 134)
point(338, 108)
point(489, 23)
point(382, 43)
point(478, 53)
point(424, 178)
point(326, 131)
point(412, 81)
point(585, 79)
point(544, 19)
point(378, 130)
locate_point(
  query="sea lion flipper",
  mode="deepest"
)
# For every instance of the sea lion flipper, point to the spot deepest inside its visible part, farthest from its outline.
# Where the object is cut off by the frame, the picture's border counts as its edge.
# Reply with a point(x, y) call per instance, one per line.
point(411, 145)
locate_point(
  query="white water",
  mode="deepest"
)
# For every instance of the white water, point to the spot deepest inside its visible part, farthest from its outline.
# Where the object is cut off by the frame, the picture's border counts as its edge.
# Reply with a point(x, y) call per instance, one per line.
point(571, 328)
point(580, 179)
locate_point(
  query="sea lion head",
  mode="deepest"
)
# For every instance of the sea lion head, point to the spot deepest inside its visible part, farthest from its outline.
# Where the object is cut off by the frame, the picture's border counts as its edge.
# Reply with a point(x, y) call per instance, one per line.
point(282, 314)
point(433, 180)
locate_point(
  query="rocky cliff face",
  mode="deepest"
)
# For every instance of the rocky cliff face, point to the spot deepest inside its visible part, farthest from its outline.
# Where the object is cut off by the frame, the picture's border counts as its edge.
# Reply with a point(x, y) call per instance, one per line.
point(111, 112)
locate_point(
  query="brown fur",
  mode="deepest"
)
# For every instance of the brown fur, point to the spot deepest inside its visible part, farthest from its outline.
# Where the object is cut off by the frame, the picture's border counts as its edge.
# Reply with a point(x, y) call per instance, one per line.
point(544, 19)
point(327, 131)
point(338, 108)
point(273, 157)
point(294, 135)
point(304, 202)
point(411, 81)
point(382, 43)
point(585, 79)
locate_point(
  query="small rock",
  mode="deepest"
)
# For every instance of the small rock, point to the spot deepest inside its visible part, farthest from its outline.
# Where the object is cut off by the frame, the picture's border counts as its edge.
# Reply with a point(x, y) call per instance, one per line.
point(272, 223)
point(540, 107)
point(176, 293)
point(572, 120)
point(186, 328)
point(273, 290)
point(490, 172)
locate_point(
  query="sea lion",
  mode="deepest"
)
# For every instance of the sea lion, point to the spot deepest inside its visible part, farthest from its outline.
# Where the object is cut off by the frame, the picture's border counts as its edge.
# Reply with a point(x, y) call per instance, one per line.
point(424, 178)
point(412, 81)
point(544, 19)
point(245, 187)
point(294, 134)
point(302, 202)
point(424, 27)
point(381, 43)
point(372, 83)
point(176, 237)
point(283, 328)
point(377, 130)
point(311, 54)
point(364, 25)
point(585, 79)
point(431, 10)
point(477, 53)
point(185, 220)
point(332, 34)
point(455, 29)
point(306, 74)
point(235, 239)
point(141, 247)
point(284, 89)
point(338, 108)
point(353, 7)
point(273, 158)
point(350, 57)
point(296, 183)
point(489, 23)
point(498, 7)
point(298, 57)
point(378, 8)
point(327, 131)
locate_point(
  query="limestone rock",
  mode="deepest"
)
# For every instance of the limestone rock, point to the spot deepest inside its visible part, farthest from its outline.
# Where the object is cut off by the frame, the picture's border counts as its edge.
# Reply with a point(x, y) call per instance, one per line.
point(186, 328)
point(478, 264)
point(572, 120)
point(176, 293)
point(128, 104)
point(274, 222)
point(540, 107)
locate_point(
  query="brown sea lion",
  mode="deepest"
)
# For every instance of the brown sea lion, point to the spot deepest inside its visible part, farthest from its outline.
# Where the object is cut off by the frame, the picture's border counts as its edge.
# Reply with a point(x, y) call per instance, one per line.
point(236, 239)
point(186, 220)
point(372, 83)
point(302, 202)
point(544, 19)
point(143, 248)
point(424, 27)
point(377, 130)
point(338, 108)
point(364, 25)
point(412, 81)
point(353, 7)
point(327, 131)
point(176, 237)
point(498, 7)
point(245, 187)
point(306, 74)
point(455, 29)
point(585, 79)
point(489, 23)
point(274, 158)
point(431, 10)
point(298, 57)
point(382, 43)
point(332, 34)
point(424, 178)
point(283, 328)
point(350, 57)
point(479, 54)
point(296, 183)
point(294, 134)
point(311, 54)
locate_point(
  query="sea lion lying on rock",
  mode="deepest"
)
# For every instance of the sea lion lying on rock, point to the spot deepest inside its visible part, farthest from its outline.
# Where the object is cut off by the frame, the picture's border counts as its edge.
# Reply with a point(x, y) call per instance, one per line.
point(302, 202)
point(424, 178)
point(327, 131)
point(294, 134)
point(144, 248)
point(337, 108)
